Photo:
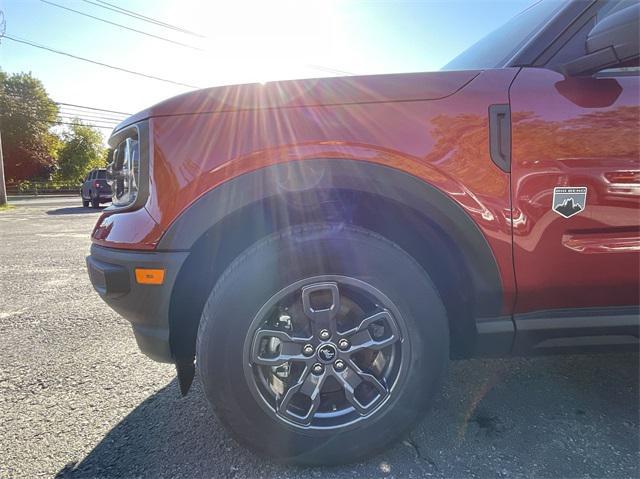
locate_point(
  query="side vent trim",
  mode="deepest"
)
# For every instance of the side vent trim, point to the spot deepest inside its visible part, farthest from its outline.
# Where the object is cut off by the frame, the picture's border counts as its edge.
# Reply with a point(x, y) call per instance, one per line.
point(500, 136)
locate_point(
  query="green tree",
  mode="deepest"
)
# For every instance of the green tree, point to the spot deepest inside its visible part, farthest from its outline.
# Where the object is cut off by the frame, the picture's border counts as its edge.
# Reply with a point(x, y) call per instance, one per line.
point(82, 151)
point(26, 115)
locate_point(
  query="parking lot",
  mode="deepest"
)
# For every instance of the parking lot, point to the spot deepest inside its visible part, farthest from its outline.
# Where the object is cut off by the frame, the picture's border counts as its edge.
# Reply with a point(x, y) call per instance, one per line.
point(77, 399)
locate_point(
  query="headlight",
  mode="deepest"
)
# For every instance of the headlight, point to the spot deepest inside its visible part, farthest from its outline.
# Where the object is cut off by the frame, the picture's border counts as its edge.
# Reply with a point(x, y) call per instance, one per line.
point(124, 173)
point(128, 171)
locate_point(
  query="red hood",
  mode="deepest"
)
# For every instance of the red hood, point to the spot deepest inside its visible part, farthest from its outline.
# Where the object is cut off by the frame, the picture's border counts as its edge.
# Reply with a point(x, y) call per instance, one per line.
point(313, 92)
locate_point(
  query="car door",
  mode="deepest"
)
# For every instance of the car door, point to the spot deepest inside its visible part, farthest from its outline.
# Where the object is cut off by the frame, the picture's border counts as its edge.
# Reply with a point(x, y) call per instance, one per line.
point(576, 186)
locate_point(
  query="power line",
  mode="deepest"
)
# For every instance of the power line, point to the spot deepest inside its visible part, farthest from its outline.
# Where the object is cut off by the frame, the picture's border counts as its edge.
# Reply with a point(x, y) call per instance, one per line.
point(120, 25)
point(73, 121)
point(132, 72)
point(30, 113)
point(330, 70)
point(95, 117)
point(99, 127)
point(108, 116)
point(144, 18)
point(29, 116)
point(82, 124)
point(67, 122)
point(138, 16)
point(91, 108)
point(71, 111)
point(91, 112)
point(77, 111)
point(91, 120)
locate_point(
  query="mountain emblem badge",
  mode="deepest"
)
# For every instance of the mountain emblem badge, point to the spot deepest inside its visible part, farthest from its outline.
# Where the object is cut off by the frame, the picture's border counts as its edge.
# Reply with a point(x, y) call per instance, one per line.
point(569, 201)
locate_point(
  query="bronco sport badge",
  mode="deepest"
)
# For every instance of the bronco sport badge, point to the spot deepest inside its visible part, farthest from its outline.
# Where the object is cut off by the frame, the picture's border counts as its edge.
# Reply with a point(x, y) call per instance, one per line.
point(569, 201)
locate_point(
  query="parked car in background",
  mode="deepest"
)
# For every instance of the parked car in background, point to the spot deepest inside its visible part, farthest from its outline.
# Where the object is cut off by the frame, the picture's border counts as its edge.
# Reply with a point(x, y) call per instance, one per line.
point(95, 188)
point(320, 249)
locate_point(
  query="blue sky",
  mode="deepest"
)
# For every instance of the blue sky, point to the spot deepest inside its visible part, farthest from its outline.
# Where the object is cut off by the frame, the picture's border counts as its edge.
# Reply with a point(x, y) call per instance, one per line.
point(246, 41)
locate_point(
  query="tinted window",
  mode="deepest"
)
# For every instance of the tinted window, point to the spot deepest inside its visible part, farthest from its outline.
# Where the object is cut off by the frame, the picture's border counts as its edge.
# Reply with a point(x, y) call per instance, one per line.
point(494, 50)
point(102, 174)
point(92, 175)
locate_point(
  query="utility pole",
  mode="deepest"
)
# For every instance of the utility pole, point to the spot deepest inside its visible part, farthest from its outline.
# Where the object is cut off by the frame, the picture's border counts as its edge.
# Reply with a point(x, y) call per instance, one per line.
point(3, 187)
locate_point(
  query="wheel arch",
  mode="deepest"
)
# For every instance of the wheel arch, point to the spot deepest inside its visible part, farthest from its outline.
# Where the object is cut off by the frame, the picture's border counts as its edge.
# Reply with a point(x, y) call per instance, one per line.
point(418, 217)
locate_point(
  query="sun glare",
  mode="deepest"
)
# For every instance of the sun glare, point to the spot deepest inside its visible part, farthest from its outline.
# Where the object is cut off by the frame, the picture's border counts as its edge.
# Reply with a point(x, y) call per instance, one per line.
point(262, 41)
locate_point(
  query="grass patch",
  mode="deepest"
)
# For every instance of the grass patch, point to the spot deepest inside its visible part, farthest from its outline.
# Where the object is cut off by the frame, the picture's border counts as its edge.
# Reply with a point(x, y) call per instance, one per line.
point(6, 207)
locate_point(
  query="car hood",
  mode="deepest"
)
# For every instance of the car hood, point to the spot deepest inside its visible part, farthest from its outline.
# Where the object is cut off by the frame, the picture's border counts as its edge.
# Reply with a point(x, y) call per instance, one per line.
point(312, 92)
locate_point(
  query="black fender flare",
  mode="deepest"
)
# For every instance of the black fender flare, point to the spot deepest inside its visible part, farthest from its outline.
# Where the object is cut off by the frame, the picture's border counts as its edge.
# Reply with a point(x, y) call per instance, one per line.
point(298, 177)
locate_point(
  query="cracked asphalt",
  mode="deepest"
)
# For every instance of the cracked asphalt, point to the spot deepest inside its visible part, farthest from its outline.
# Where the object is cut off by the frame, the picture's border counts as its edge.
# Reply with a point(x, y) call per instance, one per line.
point(78, 400)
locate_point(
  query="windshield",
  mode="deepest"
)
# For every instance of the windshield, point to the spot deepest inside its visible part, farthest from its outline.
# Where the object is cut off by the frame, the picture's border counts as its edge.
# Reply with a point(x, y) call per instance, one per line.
point(500, 45)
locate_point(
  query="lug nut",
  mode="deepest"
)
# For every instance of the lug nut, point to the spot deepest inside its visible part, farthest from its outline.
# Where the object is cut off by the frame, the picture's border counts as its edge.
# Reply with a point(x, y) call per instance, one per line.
point(284, 320)
point(317, 369)
point(325, 334)
point(343, 344)
point(339, 365)
point(307, 350)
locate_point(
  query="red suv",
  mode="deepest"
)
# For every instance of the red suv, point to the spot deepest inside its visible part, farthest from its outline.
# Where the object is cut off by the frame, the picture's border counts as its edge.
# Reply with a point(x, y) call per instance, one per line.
point(320, 249)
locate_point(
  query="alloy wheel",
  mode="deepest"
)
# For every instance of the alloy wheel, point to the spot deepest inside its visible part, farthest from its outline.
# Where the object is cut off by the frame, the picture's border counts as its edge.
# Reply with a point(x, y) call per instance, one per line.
point(326, 352)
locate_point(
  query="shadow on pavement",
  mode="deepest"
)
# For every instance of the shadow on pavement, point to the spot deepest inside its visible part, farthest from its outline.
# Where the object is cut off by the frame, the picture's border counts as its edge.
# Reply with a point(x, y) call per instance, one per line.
point(166, 436)
point(75, 210)
point(518, 417)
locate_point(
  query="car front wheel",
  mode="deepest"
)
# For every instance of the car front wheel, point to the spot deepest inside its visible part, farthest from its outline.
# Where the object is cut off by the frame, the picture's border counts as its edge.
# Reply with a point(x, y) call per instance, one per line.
point(322, 344)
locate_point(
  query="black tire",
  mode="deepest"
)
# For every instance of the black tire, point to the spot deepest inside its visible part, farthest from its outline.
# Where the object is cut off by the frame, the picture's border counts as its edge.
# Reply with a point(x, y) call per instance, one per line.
point(85, 203)
point(292, 256)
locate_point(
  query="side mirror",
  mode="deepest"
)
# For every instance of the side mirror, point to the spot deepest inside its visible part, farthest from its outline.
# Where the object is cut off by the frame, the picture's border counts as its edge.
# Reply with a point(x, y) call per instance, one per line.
point(613, 40)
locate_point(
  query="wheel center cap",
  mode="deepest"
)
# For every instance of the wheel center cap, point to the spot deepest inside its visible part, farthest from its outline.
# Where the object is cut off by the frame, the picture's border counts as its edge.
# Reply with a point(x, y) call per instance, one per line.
point(326, 352)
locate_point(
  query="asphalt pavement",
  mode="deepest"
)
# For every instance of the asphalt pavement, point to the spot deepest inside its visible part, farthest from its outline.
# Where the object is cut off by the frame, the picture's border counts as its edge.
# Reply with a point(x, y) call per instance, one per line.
point(78, 400)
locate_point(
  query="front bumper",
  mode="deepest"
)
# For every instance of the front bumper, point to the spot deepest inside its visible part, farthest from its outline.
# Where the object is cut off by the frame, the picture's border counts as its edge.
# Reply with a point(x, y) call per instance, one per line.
point(146, 307)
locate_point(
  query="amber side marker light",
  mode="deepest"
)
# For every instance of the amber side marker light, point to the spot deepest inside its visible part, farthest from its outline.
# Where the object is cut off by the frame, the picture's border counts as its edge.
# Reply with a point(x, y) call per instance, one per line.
point(149, 276)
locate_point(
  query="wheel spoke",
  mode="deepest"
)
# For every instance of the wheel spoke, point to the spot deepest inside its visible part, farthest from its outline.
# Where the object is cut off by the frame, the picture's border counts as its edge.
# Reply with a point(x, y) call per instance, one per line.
point(309, 385)
point(289, 371)
point(351, 378)
point(321, 319)
point(360, 337)
point(289, 348)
